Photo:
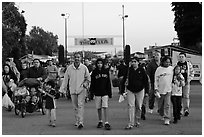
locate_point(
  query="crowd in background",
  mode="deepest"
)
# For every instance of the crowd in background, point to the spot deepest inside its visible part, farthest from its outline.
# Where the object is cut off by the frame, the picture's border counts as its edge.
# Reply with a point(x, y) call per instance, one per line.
point(159, 79)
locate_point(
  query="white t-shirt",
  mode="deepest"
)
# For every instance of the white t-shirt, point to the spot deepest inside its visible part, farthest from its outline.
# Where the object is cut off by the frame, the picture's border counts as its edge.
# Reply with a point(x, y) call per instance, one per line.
point(179, 81)
point(163, 79)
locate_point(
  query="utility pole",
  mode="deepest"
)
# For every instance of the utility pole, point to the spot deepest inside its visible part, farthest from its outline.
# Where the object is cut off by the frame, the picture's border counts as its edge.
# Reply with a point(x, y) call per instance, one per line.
point(123, 19)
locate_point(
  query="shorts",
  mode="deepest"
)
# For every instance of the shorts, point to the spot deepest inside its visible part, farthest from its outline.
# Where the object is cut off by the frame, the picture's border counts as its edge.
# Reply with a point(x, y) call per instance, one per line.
point(101, 101)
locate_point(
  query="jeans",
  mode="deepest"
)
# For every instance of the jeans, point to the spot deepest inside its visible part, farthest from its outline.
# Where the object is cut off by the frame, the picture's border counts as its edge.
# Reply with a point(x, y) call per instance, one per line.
point(144, 106)
point(176, 101)
point(78, 101)
point(164, 105)
point(186, 96)
point(135, 100)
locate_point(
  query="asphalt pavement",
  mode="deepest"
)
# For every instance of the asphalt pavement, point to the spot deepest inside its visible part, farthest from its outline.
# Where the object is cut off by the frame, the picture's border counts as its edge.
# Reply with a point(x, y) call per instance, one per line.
point(37, 124)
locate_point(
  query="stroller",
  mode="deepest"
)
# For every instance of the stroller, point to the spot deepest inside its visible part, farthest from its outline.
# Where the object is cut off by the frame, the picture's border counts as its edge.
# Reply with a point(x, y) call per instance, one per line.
point(28, 98)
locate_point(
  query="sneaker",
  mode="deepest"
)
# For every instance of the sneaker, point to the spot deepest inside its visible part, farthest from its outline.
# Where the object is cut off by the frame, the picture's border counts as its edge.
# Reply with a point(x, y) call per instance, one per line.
point(53, 125)
point(129, 126)
point(107, 126)
point(80, 126)
point(151, 111)
point(166, 122)
point(137, 124)
point(100, 125)
point(76, 124)
point(186, 113)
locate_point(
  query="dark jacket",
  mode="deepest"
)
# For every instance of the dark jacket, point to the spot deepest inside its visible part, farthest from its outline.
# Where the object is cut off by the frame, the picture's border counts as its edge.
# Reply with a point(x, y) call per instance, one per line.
point(151, 68)
point(122, 70)
point(49, 100)
point(137, 80)
point(100, 83)
point(23, 73)
point(37, 72)
point(8, 76)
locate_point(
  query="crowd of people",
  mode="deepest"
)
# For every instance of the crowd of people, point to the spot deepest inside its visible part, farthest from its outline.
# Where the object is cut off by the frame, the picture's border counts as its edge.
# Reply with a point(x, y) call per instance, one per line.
point(159, 80)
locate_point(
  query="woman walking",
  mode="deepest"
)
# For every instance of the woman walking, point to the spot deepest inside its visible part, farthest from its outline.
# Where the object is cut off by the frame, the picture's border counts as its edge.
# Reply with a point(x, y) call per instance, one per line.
point(137, 86)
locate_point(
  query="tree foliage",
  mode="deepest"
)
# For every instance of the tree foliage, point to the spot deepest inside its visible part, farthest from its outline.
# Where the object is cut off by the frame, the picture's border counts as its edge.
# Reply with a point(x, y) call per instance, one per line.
point(41, 42)
point(13, 31)
point(188, 23)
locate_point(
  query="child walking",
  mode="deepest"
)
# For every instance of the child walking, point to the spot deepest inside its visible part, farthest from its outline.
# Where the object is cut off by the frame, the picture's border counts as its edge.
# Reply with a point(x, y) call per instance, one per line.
point(176, 96)
point(101, 88)
point(50, 105)
point(163, 86)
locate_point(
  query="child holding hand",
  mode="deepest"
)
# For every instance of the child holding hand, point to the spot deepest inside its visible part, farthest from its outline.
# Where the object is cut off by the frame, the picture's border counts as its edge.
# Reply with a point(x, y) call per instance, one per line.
point(50, 105)
point(176, 95)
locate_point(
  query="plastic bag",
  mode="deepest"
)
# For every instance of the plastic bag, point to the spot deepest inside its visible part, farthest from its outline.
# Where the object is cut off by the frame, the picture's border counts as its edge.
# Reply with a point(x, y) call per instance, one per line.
point(6, 101)
point(122, 97)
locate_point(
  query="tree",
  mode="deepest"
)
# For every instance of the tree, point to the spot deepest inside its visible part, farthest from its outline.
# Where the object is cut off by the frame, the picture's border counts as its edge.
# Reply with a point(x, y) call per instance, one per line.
point(188, 23)
point(41, 42)
point(13, 30)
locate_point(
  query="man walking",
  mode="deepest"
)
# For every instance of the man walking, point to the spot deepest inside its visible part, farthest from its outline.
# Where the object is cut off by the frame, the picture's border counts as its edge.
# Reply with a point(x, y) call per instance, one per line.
point(77, 79)
point(188, 73)
point(151, 68)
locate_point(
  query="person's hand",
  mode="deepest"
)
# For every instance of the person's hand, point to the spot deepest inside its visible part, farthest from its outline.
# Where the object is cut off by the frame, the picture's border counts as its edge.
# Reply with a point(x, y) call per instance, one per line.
point(146, 94)
point(126, 83)
point(188, 81)
point(39, 79)
point(124, 94)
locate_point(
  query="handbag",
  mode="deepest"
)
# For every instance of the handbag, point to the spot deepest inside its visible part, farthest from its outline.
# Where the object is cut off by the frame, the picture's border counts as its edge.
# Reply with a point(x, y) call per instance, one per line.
point(6, 101)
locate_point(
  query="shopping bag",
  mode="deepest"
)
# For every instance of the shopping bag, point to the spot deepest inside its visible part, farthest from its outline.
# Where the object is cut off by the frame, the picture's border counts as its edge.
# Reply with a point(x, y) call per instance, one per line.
point(121, 99)
point(6, 101)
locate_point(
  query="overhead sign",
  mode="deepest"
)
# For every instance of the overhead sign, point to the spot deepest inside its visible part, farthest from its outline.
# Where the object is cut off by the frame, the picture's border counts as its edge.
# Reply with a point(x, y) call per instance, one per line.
point(93, 41)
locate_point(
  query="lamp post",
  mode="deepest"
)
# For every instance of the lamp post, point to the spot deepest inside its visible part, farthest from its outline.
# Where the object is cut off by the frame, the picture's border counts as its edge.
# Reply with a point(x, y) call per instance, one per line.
point(66, 16)
point(123, 16)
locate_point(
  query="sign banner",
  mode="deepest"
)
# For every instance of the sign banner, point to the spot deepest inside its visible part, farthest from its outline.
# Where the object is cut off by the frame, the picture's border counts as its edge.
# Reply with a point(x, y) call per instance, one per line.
point(93, 41)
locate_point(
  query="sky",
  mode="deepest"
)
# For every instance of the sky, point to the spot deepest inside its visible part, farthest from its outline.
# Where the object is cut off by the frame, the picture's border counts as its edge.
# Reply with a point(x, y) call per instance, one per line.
point(148, 23)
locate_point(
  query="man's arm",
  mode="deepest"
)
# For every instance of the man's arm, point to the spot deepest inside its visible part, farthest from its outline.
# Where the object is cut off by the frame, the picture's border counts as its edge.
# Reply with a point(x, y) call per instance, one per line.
point(191, 72)
point(65, 81)
point(87, 78)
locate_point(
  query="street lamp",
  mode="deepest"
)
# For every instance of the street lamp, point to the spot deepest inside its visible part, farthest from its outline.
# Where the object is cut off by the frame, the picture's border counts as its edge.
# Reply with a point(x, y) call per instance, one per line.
point(123, 16)
point(66, 16)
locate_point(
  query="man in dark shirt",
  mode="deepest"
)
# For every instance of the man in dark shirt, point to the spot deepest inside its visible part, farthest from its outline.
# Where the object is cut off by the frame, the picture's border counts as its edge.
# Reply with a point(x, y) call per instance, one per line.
point(151, 68)
point(37, 71)
point(122, 70)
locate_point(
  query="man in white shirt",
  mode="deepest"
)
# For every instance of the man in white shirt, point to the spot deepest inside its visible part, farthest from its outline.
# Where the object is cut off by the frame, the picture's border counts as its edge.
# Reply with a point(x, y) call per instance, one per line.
point(188, 73)
point(77, 79)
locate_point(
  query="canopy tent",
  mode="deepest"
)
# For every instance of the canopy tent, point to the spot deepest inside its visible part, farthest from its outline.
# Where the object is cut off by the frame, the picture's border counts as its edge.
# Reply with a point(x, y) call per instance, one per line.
point(30, 57)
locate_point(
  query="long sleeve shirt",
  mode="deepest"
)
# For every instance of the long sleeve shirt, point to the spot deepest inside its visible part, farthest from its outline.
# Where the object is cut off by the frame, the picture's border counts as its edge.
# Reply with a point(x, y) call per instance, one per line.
point(178, 82)
point(76, 79)
point(163, 79)
point(137, 80)
point(100, 83)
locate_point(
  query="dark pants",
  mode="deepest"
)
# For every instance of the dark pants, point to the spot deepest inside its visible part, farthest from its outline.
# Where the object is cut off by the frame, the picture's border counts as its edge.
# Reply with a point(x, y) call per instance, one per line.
point(120, 87)
point(176, 101)
point(151, 99)
point(144, 108)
